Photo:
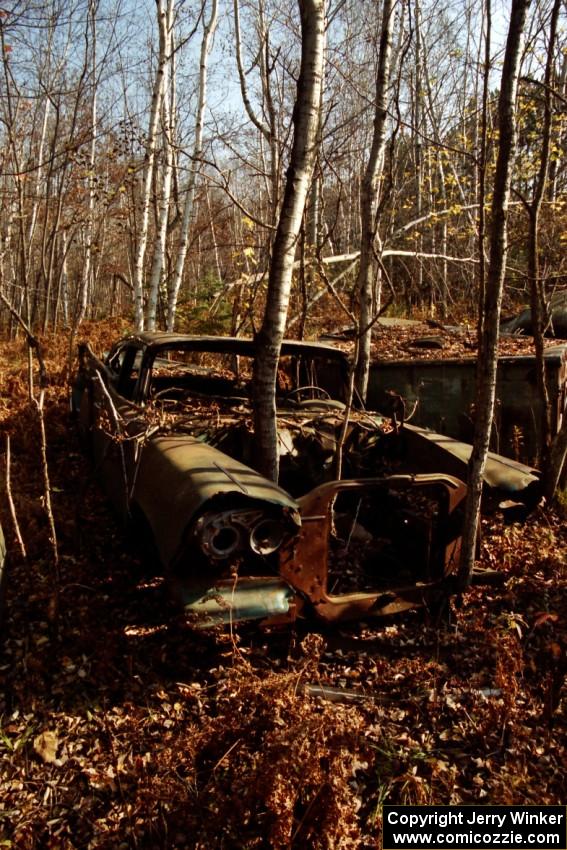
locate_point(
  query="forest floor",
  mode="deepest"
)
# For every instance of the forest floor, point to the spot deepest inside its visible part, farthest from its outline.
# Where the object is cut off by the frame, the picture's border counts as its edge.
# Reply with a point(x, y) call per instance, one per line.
point(121, 728)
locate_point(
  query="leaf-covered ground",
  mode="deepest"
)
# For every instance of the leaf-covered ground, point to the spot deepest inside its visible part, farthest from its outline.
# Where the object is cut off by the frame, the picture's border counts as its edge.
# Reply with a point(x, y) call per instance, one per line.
point(121, 728)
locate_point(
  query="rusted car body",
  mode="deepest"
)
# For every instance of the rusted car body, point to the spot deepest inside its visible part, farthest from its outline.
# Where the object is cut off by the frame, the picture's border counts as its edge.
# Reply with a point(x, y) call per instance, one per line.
point(169, 421)
point(442, 393)
point(439, 390)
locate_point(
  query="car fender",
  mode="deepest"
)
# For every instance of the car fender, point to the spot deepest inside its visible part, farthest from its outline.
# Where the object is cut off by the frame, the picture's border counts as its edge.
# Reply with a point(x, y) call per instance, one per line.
point(179, 477)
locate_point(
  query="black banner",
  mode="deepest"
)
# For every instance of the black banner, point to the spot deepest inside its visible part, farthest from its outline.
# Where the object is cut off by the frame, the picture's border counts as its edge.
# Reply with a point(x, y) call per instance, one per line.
point(478, 827)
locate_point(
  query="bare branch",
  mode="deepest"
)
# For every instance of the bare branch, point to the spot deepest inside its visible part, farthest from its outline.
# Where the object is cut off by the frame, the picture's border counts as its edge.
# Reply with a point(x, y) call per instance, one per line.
point(11, 504)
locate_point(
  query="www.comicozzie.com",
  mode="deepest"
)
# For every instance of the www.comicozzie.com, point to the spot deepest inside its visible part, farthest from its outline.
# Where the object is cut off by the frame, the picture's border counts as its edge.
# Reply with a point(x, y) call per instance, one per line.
point(479, 827)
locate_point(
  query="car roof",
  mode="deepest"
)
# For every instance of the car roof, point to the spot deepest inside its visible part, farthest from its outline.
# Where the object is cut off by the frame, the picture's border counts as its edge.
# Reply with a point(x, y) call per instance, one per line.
point(158, 340)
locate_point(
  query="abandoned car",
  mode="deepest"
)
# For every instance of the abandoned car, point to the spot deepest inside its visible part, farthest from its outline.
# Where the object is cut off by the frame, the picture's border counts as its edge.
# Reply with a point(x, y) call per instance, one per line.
point(168, 419)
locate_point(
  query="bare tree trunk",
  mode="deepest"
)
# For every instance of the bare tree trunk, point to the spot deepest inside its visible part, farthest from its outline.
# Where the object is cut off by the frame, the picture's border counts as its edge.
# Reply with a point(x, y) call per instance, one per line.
point(64, 280)
point(537, 291)
point(369, 201)
point(418, 149)
point(63, 177)
point(560, 85)
point(299, 173)
point(91, 179)
point(266, 69)
point(554, 468)
point(158, 261)
point(164, 15)
point(481, 194)
point(488, 343)
point(10, 125)
point(208, 32)
point(38, 178)
point(213, 234)
point(266, 127)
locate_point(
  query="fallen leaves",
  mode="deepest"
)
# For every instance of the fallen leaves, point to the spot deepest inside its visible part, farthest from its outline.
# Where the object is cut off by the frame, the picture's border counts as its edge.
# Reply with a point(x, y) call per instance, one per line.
point(410, 342)
point(46, 746)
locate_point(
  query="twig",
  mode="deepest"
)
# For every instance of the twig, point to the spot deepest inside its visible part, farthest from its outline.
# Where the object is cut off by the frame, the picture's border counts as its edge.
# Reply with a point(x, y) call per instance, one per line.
point(119, 431)
point(307, 811)
point(331, 288)
point(354, 521)
point(222, 758)
point(19, 537)
point(46, 483)
point(346, 417)
point(141, 439)
point(33, 343)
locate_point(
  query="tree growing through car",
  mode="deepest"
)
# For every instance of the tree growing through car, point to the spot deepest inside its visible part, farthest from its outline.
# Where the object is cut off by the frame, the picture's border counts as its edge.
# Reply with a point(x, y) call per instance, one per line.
point(299, 172)
point(488, 342)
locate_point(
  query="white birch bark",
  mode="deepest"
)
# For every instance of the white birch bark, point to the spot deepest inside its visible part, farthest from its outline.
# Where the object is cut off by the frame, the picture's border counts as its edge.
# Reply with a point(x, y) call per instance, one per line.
point(488, 343)
point(158, 261)
point(64, 279)
point(213, 234)
point(89, 225)
point(299, 173)
point(260, 125)
point(164, 11)
point(38, 174)
point(266, 128)
point(537, 282)
point(418, 144)
point(208, 32)
point(369, 200)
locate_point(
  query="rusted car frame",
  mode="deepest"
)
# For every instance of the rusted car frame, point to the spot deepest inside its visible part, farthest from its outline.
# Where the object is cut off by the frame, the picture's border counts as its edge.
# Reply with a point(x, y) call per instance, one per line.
point(305, 558)
point(168, 420)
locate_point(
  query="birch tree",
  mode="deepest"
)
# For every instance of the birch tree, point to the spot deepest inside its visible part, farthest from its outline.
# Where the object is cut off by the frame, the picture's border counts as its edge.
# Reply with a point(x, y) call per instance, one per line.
point(299, 174)
point(209, 27)
point(533, 209)
point(163, 205)
point(488, 343)
point(369, 201)
point(91, 177)
point(265, 122)
point(164, 16)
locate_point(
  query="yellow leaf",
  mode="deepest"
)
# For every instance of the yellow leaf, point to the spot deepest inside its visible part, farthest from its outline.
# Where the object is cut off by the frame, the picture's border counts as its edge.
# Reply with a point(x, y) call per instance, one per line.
point(46, 745)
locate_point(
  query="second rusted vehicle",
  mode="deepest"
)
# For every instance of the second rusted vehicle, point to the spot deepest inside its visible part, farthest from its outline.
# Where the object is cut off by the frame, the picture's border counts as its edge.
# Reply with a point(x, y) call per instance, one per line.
point(169, 421)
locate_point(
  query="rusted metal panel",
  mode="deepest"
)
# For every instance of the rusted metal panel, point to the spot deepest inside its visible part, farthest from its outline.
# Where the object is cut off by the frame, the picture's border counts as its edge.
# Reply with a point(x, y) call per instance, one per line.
point(506, 479)
point(444, 394)
point(304, 561)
